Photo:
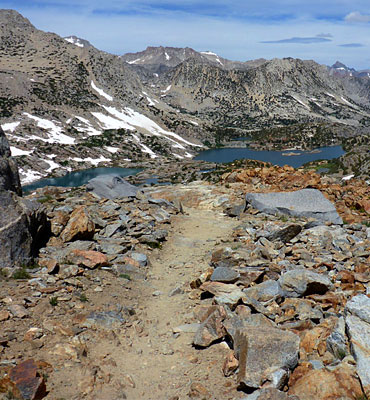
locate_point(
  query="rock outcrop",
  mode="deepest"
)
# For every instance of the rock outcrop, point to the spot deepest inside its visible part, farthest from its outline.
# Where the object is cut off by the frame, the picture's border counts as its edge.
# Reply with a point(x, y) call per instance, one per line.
point(9, 177)
point(23, 224)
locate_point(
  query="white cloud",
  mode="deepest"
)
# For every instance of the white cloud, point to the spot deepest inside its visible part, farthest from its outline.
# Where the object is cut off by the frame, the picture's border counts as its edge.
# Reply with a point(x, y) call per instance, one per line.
point(356, 16)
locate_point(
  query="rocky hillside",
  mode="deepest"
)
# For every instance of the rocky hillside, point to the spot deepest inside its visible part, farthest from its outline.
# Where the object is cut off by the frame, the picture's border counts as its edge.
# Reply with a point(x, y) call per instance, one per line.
point(66, 105)
point(278, 92)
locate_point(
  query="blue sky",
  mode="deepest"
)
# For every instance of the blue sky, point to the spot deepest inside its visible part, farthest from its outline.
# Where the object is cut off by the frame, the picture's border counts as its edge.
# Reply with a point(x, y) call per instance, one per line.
point(239, 29)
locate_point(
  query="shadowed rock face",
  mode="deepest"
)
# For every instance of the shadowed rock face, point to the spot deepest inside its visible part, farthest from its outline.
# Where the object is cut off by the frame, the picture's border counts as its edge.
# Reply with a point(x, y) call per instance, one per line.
point(23, 225)
point(9, 177)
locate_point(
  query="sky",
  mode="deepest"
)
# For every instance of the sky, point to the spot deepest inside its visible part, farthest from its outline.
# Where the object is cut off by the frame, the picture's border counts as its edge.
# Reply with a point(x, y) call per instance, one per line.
point(324, 31)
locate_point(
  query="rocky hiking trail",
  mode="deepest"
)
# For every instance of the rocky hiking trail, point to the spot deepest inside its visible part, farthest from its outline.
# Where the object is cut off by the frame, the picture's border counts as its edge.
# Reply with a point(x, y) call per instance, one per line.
point(163, 363)
point(187, 291)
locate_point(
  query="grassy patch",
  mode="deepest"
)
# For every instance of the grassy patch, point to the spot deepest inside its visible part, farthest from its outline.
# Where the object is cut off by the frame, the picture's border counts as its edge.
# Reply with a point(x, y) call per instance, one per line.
point(21, 274)
point(53, 301)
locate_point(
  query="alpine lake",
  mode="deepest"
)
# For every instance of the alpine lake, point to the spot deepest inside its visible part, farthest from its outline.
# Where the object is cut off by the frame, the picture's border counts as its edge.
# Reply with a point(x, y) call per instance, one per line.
point(294, 158)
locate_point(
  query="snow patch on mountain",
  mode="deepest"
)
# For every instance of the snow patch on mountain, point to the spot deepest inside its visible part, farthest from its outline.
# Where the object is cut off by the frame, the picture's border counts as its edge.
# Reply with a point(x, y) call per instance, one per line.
point(55, 132)
point(145, 149)
point(19, 152)
point(10, 126)
point(94, 161)
point(89, 129)
point(134, 61)
point(28, 176)
point(74, 41)
point(168, 88)
point(101, 92)
point(301, 102)
point(112, 149)
point(150, 101)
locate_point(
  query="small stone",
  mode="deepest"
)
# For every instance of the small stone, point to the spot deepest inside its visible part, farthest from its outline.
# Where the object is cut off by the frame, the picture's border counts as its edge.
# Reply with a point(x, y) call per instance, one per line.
point(231, 364)
point(175, 291)
point(224, 274)
point(4, 315)
point(157, 293)
point(198, 391)
point(88, 258)
point(18, 311)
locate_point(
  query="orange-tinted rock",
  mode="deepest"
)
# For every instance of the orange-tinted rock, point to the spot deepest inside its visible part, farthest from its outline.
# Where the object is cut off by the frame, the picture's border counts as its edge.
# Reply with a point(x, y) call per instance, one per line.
point(26, 379)
point(340, 383)
point(346, 277)
point(80, 226)
point(88, 258)
point(50, 263)
point(314, 340)
point(231, 364)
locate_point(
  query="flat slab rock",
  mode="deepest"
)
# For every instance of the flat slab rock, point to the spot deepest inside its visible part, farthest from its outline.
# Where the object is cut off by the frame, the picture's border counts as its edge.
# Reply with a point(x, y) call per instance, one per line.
point(310, 203)
point(111, 187)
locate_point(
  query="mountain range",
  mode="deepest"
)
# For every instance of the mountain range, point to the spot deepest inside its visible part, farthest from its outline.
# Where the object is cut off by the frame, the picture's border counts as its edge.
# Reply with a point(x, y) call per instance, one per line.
point(66, 105)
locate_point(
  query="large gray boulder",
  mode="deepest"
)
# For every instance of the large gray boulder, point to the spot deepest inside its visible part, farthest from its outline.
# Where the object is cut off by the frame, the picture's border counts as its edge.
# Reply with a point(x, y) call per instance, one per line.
point(111, 187)
point(9, 177)
point(309, 203)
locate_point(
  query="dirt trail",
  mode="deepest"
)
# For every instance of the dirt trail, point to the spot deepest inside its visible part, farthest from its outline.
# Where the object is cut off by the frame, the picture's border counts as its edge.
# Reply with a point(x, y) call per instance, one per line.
point(161, 365)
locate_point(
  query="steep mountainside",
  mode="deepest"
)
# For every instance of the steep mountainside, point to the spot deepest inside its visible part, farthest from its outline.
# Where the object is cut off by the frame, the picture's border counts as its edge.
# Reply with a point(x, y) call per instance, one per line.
point(277, 92)
point(60, 102)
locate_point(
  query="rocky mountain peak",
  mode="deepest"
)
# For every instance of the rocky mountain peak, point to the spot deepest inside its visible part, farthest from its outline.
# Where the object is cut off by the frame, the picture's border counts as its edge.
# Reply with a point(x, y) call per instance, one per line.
point(13, 20)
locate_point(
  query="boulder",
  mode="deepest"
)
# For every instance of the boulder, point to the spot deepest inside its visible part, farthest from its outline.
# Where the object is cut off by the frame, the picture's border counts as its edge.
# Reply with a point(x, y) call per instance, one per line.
point(79, 227)
point(111, 187)
point(324, 384)
point(358, 328)
point(303, 282)
point(24, 229)
point(265, 356)
point(309, 203)
point(9, 177)
point(211, 329)
point(265, 291)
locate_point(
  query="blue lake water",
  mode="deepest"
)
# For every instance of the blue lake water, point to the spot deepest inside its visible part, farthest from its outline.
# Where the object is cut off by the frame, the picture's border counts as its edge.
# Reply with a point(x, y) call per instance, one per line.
point(225, 155)
point(79, 178)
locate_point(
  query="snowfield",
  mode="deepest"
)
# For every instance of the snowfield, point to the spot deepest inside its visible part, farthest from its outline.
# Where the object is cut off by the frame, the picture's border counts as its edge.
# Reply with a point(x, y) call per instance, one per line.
point(55, 132)
point(11, 126)
point(19, 152)
point(28, 176)
point(101, 92)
